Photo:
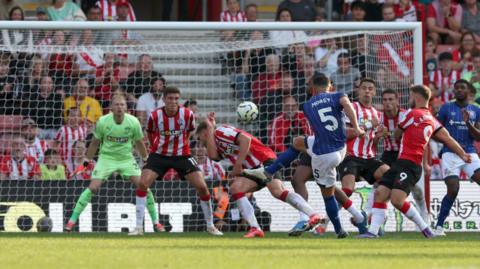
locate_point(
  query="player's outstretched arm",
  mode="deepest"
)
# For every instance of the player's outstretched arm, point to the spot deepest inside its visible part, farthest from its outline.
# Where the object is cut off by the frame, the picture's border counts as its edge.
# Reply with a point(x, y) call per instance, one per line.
point(443, 136)
point(243, 143)
point(92, 149)
point(141, 149)
point(473, 129)
point(212, 150)
point(352, 116)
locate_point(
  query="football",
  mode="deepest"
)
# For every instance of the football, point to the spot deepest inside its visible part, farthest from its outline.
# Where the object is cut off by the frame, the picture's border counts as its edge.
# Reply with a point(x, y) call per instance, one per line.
point(247, 112)
point(44, 224)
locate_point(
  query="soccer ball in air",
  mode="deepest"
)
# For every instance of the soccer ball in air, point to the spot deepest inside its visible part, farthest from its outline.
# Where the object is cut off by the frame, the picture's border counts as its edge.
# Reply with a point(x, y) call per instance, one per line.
point(247, 112)
point(44, 224)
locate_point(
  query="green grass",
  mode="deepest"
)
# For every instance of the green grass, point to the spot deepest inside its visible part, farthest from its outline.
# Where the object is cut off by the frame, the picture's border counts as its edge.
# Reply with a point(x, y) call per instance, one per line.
point(198, 250)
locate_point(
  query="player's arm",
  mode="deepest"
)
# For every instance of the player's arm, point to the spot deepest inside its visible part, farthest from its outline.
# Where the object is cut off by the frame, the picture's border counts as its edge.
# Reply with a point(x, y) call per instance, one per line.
point(92, 149)
point(442, 136)
point(141, 149)
point(474, 130)
point(355, 130)
point(243, 143)
point(212, 150)
point(398, 133)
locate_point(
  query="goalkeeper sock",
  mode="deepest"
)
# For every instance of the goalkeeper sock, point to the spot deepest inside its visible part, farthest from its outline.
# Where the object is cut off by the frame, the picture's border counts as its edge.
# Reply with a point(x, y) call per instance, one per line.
point(140, 201)
point(379, 214)
point(246, 209)
point(152, 207)
point(82, 202)
point(357, 215)
point(332, 212)
point(206, 206)
point(283, 160)
point(413, 215)
point(297, 202)
point(447, 204)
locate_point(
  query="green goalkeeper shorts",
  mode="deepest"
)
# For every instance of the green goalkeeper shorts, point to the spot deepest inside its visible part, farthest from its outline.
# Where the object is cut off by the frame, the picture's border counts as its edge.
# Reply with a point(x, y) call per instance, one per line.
point(104, 168)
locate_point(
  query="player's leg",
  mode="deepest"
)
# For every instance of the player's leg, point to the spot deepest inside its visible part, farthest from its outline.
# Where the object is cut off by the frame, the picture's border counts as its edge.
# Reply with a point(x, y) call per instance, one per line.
point(373, 174)
point(303, 172)
point(238, 189)
point(349, 171)
point(419, 198)
point(451, 165)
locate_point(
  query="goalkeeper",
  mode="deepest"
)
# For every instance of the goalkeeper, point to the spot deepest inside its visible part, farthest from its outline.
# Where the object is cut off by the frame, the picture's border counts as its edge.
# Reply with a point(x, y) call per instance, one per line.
point(116, 133)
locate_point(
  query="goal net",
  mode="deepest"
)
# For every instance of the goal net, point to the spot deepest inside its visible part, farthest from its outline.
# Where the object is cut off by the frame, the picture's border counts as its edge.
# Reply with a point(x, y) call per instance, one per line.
point(56, 80)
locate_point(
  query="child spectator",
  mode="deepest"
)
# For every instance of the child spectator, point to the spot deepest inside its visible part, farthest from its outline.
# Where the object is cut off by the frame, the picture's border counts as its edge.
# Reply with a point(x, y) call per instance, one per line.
point(65, 10)
point(17, 165)
point(251, 12)
point(76, 172)
point(445, 77)
point(34, 146)
point(233, 12)
point(52, 169)
point(444, 18)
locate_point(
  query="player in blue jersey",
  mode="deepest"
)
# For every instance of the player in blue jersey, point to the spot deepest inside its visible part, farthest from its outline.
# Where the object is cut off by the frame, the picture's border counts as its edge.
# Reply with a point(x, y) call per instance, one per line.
point(325, 112)
point(462, 120)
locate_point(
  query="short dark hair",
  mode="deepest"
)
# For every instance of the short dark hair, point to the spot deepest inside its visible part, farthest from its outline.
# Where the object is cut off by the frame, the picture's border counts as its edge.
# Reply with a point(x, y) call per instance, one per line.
point(277, 16)
point(423, 90)
point(369, 80)
point(50, 152)
point(155, 78)
point(469, 85)
point(343, 55)
point(171, 90)
point(445, 56)
point(251, 5)
point(190, 102)
point(357, 4)
point(319, 80)
point(390, 91)
point(202, 126)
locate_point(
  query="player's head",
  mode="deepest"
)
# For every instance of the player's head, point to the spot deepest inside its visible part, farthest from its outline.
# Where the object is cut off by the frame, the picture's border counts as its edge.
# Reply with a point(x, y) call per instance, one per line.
point(171, 98)
point(390, 100)
point(18, 147)
point(51, 157)
point(118, 104)
point(419, 96)
point(320, 83)
point(366, 91)
point(462, 89)
point(157, 85)
point(202, 133)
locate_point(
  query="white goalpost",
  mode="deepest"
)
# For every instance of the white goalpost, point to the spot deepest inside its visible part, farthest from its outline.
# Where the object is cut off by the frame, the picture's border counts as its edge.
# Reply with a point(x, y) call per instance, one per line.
point(216, 64)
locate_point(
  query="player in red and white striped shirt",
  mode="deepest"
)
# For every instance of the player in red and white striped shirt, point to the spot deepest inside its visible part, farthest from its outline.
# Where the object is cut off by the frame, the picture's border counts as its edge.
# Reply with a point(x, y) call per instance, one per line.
point(246, 152)
point(108, 9)
point(67, 135)
point(17, 165)
point(445, 76)
point(169, 131)
point(360, 161)
point(233, 13)
point(34, 146)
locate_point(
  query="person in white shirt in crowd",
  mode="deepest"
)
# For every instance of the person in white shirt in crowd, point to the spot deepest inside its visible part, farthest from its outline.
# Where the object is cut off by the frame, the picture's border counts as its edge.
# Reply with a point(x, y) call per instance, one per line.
point(34, 146)
point(90, 57)
point(285, 38)
point(151, 100)
point(326, 56)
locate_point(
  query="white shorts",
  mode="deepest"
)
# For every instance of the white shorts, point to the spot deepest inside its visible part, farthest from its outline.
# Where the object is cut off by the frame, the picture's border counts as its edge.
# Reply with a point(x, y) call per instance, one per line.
point(452, 165)
point(324, 166)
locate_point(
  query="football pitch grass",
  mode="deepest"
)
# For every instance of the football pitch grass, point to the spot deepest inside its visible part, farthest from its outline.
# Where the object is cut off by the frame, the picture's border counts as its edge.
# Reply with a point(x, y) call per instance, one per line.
point(200, 250)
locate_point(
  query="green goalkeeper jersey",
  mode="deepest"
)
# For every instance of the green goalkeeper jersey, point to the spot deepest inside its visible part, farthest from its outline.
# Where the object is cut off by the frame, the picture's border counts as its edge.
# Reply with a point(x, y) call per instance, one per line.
point(117, 140)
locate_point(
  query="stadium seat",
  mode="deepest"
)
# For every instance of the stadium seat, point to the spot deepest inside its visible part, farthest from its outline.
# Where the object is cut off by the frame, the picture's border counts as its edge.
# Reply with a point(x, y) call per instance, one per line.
point(444, 48)
point(10, 123)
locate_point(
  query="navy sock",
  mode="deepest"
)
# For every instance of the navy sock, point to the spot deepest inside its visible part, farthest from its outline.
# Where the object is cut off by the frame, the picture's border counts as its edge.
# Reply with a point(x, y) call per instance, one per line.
point(332, 212)
point(283, 160)
point(447, 204)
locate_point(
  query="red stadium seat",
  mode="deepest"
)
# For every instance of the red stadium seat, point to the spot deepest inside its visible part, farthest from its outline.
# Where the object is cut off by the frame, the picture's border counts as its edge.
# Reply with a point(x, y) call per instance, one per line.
point(444, 48)
point(10, 123)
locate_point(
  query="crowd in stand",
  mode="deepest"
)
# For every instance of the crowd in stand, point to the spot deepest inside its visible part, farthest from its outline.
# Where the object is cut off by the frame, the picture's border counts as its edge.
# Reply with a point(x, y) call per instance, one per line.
point(61, 95)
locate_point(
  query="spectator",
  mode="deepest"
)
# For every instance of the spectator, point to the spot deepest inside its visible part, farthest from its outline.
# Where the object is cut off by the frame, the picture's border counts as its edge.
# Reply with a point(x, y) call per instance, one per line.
point(358, 11)
point(373, 10)
point(17, 165)
point(431, 58)
point(90, 57)
point(94, 13)
point(41, 14)
point(388, 13)
point(284, 38)
point(125, 38)
point(192, 105)
point(29, 81)
point(89, 107)
point(52, 169)
point(5, 7)
point(151, 100)
point(326, 56)
point(406, 10)
point(42, 37)
point(359, 56)
point(233, 12)
point(267, 81)
point(7, 85)
point(474, 76)
point(34, 146)
point(445, 77)
point(463, 55)
point(106, 79)
point(65, 10)
point(139, 82)
point(288, 124)
point(67, 135)
point(385, 79)
point(11, 39)
point(108, 9)
point(45, 108)
point(444, 18)
point(79, 153)
point(397, 55)
point(251, 12)
point(302, 67)
point(300, 10)
point(346, 78)
point(60, 64)
point(471, 18)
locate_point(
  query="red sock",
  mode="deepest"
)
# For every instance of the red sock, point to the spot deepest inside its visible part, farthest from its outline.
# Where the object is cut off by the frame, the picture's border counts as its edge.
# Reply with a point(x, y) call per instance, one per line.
point(205, 197)
point(284, 195)
point(347, 204)
point(141, 193)
point(380, 205)
point(347, 191)
point(237, 196)
point(405, 207)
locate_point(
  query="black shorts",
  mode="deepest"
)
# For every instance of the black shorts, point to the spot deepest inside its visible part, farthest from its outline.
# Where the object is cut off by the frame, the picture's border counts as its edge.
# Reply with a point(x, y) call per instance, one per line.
point(305, 160)
point(160, 164)
point(263, 183)
point(403, 175)
point(359, 168)
point(389, 157)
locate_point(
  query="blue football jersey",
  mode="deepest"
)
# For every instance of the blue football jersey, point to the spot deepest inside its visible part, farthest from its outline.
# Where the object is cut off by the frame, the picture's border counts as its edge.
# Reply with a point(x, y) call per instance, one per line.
point(325, 115)
point(450, 115)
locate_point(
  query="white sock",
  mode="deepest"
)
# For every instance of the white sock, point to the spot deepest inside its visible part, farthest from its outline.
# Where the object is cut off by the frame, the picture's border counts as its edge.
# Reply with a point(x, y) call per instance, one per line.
point(413, 215)
point(140, 203)
point(378, 218)
point(247, 211)
point(357, 215)
point(297, 201)
point(369, 204)
point(207, 212)
point(420, 203)
point(303, 216)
